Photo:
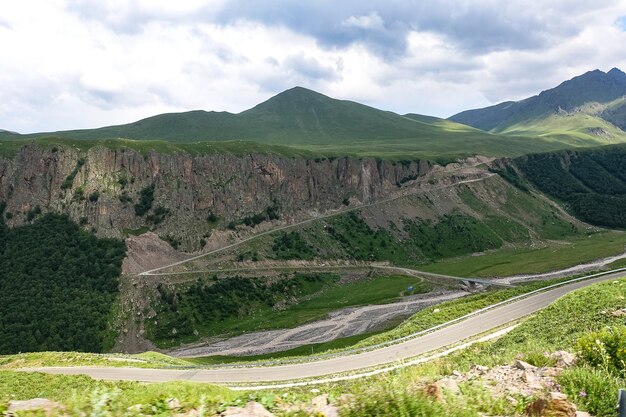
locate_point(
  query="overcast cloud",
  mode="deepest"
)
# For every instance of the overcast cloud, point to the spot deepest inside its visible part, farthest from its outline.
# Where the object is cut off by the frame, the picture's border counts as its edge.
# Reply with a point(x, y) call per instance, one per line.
point(79, 63)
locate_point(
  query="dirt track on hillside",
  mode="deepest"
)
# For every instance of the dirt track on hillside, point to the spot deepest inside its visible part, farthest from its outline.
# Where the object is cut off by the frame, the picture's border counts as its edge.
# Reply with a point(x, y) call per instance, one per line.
point(562, 273)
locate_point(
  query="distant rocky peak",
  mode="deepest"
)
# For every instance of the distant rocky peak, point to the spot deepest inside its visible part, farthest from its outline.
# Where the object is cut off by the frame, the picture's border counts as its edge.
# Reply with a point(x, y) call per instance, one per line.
point(618, 75)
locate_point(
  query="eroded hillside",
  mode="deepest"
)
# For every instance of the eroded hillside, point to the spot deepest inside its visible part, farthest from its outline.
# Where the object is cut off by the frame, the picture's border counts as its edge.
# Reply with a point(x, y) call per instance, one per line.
point(183, 197)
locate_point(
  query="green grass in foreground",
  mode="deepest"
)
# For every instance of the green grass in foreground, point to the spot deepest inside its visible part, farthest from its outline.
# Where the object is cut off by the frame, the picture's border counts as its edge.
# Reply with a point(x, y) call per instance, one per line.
point(558, 327)
point(111, 398)
point(42, 359)
point(556, 256)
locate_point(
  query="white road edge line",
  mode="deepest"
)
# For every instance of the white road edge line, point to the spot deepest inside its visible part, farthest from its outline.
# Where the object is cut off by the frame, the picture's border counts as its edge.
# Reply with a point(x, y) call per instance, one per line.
point(417, 361)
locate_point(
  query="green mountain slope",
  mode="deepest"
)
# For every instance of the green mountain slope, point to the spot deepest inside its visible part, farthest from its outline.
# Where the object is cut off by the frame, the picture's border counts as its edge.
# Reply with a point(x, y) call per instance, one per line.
point(615, 113)
point(591, 183)
point(588, 109)
point(311, 122)
point(296, 116)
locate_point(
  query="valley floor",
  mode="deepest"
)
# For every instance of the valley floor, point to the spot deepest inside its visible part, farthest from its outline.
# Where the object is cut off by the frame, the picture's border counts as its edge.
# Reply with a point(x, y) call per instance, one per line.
point(339, 324)
point(358, 320)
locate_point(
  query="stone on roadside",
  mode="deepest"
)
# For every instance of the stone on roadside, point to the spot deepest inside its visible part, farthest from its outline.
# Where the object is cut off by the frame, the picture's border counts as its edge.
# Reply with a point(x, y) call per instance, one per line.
point(43, 404)
point(563, 359)
point(450, 385)
point(252, 409)
point(619, 312)
point(524, 366)
point(532, 380)
point(346, 399)
point(320, 400)
point(480, 369)
point(555, 405)
point(320, 405)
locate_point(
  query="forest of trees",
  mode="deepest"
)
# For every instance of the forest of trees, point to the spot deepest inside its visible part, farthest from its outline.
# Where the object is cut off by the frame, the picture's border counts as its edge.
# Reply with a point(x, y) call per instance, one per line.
point(591, 183)
point(57, 286)
point(222, 299)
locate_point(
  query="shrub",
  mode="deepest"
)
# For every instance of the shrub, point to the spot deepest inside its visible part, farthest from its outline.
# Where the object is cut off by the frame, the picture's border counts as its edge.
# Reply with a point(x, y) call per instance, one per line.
point(594, 390)
point(125, 198)
point(146, 198)
point(93, 197)
point(159, 215)
point(79, 194)
point(32, 213)
point(69, 180)
point(173, 242)
point(122, 181)
point(605, 349)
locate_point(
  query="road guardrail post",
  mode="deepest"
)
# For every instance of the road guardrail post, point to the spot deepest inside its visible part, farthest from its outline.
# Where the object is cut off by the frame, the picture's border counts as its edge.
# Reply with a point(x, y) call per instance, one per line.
point(621, 403)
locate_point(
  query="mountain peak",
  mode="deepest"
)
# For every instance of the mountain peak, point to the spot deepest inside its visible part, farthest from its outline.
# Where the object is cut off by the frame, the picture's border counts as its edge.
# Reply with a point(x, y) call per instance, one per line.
point(296, 98)
point(617, 74)
point(298, 92)
point(593, 86)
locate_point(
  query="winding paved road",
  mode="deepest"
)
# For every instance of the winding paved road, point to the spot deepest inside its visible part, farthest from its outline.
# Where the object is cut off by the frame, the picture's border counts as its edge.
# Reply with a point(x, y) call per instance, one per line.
point(438, 339)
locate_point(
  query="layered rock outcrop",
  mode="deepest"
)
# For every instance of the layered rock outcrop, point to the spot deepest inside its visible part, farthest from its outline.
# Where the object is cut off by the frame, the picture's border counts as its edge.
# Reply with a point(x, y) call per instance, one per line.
point(100, 186)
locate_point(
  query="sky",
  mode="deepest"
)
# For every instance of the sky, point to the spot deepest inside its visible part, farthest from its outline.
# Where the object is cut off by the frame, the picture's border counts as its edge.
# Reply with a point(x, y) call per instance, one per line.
point(70, 64)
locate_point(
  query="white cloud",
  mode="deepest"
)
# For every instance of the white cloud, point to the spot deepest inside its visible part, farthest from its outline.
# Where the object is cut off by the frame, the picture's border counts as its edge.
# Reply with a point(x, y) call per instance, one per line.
point(371, 21)
point(73, 64)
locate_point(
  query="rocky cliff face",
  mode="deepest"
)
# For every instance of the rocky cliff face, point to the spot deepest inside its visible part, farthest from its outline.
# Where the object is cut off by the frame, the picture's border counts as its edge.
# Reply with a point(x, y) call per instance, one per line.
point(99, 187)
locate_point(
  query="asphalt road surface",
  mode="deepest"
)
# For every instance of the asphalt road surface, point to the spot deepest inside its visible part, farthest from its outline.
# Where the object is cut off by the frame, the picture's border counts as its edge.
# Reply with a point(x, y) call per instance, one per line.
point(441, 338)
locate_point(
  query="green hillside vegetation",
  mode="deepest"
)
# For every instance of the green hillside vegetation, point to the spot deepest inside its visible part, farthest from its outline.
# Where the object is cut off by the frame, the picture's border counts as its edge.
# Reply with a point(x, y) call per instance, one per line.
point(587, 110)
point(57, 286)
point(553, 256)
point(591, 183)
point(615, 112)
point(240, 148)
point(580, 129)
point(300, 121)
point(295, 117)
point(476, 227)
point(591, 87)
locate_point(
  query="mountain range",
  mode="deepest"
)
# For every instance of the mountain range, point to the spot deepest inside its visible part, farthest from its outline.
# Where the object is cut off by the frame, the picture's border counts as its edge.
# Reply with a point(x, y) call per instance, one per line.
point(589, 107)
point(587, 110)
point(293, 117)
